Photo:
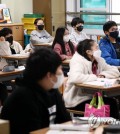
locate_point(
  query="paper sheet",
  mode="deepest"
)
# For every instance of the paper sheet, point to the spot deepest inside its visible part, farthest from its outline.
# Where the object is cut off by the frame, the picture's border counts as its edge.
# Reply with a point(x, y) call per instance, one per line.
point(66, 132)
point(103, 82)
point(81, 127)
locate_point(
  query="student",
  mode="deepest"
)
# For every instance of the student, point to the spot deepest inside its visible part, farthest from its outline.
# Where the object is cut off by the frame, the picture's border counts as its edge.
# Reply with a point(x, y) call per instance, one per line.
point(110, 44)
point(62, 44)
point(40, 35)
point(3, 95)
point(15, 47)
point(86, 65)
point(4, 50)
point(77, 34)
point(37, 103)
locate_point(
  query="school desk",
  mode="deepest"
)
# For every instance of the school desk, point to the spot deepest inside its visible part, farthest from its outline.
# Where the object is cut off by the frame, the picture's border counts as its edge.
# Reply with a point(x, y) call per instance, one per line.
point(88, 89)
point(49, 45)
point(66, 62)
point(16, 59)
point(6, 76)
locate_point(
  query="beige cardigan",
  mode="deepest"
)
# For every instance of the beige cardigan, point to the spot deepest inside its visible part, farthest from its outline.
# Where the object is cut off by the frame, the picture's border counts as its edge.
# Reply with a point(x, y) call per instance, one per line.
point(80, 71)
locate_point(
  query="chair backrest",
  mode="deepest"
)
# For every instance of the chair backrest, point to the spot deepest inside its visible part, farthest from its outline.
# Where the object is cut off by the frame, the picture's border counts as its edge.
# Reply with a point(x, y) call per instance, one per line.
point(62, 88)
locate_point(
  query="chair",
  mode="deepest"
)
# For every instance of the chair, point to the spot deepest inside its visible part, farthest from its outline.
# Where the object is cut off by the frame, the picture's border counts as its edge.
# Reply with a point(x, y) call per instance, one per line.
point(61, 89)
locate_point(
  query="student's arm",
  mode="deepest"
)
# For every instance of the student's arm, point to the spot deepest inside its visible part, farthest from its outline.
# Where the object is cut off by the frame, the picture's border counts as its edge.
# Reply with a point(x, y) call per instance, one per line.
point(73, 39)
point(107, 56)
point(77, 73)
point(5, 48)
point(49, 37)
point(109, 71)
point(57, 48)
point(20, 49)
point(34, 38)
point(62, 114)
point(85, 36)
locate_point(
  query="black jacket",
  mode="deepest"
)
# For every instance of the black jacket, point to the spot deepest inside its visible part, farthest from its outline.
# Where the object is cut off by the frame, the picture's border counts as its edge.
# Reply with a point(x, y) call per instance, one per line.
point(31, 107)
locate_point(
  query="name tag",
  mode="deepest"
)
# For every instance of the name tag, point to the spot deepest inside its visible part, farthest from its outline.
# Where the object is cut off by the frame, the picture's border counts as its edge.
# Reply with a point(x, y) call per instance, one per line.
point(52, 109)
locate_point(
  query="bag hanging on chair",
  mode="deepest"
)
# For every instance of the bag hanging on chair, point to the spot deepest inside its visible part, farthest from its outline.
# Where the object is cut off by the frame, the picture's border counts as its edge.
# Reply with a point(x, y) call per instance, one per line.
point(100, 110)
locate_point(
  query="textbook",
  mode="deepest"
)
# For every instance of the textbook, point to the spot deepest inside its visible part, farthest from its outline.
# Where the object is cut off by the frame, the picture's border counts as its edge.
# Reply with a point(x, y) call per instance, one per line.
point(104, 82)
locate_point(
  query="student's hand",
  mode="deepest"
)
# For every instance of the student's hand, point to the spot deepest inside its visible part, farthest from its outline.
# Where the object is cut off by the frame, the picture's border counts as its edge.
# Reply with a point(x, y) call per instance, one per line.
point(68, 57)
point(101, 76)
point(29, 50)
point(2, 38)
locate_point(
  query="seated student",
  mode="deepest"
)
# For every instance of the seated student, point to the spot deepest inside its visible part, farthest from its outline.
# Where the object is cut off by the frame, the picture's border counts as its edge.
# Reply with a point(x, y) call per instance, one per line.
point(3, 95)
point(37, 103)
point(4, 50)
point(40, 35)
point(15, 47)
point(62, 44)
point(86, 65)
point(29, 48)
point(110, 44)
point(77, 33)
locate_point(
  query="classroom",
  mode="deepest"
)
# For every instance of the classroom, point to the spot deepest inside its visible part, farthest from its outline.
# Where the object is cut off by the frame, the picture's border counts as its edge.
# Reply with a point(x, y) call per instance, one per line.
point(59, 67)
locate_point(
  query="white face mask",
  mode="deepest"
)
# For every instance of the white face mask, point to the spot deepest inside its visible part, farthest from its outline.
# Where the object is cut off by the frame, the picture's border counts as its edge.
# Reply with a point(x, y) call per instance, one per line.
point(60, 80)
point(66, 38)
point(97, 53)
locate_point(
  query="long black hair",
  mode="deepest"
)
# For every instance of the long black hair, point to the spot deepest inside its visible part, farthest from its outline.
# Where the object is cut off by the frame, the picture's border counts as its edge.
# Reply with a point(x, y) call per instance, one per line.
point(83, 46)
point(59, 39)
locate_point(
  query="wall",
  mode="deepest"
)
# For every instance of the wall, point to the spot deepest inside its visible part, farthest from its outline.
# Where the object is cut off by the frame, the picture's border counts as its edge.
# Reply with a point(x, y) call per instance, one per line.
point(18, 8)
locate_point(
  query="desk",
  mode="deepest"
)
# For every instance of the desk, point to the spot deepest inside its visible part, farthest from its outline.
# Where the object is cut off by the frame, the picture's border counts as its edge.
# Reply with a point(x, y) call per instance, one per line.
point(49, 45)
point(6, 76)
point(66, 62)
point(18, 58)
point(91, 89)
point(65, 66)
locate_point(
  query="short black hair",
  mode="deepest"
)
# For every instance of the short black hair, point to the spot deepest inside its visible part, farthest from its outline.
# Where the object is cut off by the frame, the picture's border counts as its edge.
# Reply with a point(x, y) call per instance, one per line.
point(36, 20)
point(83, 46)
point(108, 25)
point(76, 21)
point(5, 31)
point(40, 62)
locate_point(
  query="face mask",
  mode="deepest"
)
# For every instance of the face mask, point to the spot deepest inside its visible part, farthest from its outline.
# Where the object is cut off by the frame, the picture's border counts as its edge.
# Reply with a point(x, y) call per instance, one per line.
point(10, 39)
point(97, 53)
point(66, 38)
point(60, 79)
point(80, 28)
point(114, 34)
point(40, 27)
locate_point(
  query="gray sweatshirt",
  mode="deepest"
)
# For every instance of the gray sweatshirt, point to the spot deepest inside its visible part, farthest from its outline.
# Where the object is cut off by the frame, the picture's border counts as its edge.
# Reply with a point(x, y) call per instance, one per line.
point(40, 37)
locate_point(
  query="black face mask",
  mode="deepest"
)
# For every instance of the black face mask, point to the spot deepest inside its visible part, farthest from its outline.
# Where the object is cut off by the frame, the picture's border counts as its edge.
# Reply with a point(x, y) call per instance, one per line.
point(40, 27)
point(114, 34)
point(10, 39)
point(80, 28)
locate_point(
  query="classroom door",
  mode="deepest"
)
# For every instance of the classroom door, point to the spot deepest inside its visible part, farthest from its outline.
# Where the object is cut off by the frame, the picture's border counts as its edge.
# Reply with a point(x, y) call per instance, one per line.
point(58, 14)
point(44, 7)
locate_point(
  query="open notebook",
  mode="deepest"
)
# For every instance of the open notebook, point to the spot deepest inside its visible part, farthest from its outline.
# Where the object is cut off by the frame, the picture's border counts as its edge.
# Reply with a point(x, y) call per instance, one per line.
point(103, 82)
